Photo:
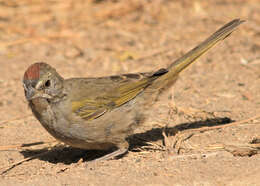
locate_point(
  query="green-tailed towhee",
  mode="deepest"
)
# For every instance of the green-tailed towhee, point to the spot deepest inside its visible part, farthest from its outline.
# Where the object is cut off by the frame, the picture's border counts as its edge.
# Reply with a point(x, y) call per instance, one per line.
point(100, 113)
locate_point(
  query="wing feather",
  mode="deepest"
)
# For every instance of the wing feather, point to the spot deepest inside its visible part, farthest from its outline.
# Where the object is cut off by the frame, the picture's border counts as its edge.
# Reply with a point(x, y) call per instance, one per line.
point(119, 93)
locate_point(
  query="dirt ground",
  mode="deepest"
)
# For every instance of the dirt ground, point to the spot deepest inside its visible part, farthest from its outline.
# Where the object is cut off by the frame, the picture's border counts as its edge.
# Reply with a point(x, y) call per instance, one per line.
point(99, 38)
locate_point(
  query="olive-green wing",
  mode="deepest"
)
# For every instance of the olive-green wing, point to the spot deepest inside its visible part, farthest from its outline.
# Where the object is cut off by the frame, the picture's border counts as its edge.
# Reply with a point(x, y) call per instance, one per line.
point(112, 92)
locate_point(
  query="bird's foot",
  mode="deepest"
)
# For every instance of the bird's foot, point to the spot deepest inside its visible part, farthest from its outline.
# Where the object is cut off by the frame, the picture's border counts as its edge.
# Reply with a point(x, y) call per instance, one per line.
point(112, 155)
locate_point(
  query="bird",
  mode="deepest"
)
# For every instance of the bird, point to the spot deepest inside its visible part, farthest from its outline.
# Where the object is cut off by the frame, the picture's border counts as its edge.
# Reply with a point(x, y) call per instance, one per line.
point(99, 113)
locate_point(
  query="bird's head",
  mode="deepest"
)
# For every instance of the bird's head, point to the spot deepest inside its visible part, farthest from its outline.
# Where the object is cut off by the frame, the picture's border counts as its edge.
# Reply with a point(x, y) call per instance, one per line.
point(42, 81)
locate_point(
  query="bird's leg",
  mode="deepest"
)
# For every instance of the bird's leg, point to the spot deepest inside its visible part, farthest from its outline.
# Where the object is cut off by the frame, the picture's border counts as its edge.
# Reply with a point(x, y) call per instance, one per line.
point(122, 149)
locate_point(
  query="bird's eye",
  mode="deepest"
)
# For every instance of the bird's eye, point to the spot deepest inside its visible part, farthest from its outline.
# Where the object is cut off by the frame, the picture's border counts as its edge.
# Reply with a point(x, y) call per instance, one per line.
point(47, 83)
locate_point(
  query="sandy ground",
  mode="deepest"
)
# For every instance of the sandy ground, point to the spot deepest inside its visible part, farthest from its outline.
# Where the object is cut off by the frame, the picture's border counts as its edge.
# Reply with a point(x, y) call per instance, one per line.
point(98, 38)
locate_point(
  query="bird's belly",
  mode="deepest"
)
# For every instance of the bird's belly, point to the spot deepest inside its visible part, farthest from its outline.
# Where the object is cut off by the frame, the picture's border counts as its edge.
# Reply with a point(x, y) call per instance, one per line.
point(69, 134)
point(106, 131)
point(102, 133)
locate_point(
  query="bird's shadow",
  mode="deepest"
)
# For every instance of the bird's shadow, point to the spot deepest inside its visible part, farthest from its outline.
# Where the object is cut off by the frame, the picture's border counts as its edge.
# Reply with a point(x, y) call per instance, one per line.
point(68, 155)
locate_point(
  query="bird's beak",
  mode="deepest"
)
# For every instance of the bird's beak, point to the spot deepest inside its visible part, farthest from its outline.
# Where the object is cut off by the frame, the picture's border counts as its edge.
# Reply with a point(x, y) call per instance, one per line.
point(32, 93)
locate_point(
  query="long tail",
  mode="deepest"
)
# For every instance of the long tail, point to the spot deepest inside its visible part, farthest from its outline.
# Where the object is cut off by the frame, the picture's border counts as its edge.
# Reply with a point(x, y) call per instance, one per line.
point(178, 65)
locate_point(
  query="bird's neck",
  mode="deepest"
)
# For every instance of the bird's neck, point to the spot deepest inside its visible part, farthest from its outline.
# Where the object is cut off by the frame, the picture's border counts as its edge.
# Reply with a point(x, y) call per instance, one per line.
point(39, 105)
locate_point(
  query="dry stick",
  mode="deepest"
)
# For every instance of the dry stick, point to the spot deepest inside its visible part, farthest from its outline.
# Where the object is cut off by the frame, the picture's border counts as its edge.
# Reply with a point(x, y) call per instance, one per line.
point(237, 149)
point(150, 143)
point(22, 146)
point(227, 125)
point(223, 146)
point(9, 167)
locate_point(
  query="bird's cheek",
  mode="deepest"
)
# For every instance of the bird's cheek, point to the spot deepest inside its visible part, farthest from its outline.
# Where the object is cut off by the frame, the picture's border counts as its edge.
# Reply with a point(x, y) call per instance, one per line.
point(51, 92)
point(29, 94)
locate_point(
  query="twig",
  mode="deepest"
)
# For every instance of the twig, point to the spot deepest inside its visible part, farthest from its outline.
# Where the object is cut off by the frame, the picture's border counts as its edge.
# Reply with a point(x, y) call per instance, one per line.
point(9, 167)
point(22, 146)
point(237, 149)
point(227, 125)
point(150, 143)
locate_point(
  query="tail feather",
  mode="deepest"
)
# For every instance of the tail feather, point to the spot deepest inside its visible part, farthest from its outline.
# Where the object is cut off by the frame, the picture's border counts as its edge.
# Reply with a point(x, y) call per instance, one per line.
point(180, 64)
